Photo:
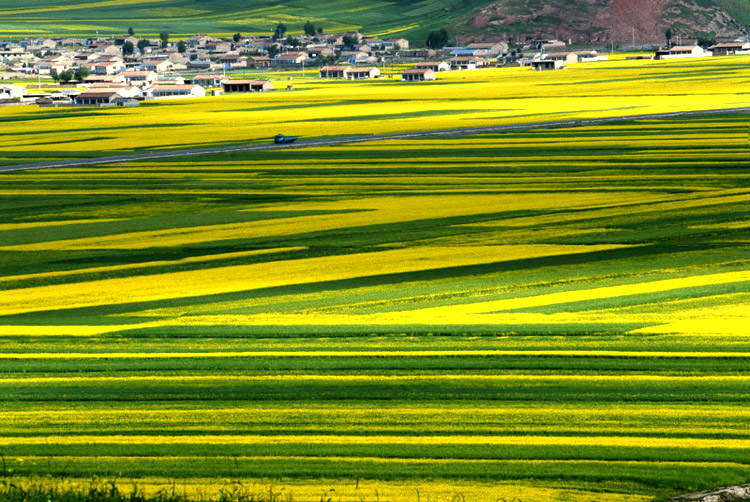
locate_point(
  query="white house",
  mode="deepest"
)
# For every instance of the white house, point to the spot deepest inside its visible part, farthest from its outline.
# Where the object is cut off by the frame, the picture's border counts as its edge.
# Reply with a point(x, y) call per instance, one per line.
point(158, 65)
point(209, 80)
point(363, 73)
point(139, 78)
point(175, 91)
point(436, 66)
point(107, 67)
point(12, 91)
point(290, 59)
point(682, 51)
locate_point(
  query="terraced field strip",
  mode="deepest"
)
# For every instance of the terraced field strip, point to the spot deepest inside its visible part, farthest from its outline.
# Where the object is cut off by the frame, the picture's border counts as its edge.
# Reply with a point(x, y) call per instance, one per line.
point(359, 139)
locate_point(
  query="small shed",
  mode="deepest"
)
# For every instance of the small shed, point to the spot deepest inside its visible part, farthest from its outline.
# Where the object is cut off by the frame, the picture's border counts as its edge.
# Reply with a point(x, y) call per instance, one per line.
point(335, 71)
point(436, 66)
point(94, 98)
point(363, 73)
point(417, 75)
point(547, 64)
point(247, 85)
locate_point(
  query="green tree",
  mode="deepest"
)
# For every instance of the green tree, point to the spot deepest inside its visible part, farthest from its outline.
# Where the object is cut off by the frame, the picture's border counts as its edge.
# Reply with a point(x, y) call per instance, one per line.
point(309, 29)
point(128, 48)
point(437, 39)
point(320, 30)
point(142, 44)
point(131, 31)
point(280, 31)
point(164, 37)
point(55, 76)
point(706, 40)
point(236, 37)
point(181, 47)
point(272, 51)
point(350, 40)
point(81, 73)
point(66, 76)
point(668, 34)
point(291, 41)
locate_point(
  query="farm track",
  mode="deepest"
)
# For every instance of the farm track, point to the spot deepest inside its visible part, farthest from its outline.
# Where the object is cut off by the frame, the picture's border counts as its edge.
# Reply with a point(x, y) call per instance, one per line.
point(466, 131)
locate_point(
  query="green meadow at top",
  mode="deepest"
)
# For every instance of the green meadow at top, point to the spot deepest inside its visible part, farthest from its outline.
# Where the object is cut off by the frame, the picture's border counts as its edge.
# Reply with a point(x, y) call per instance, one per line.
point(410, 18)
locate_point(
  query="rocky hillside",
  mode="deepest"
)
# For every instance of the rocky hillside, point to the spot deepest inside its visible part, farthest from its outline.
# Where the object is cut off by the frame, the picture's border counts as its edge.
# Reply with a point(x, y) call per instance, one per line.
point(600, 21)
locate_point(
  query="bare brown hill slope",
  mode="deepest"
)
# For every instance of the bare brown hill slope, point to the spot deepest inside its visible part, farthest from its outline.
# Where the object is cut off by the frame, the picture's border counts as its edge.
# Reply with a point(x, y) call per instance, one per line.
point(600, 21)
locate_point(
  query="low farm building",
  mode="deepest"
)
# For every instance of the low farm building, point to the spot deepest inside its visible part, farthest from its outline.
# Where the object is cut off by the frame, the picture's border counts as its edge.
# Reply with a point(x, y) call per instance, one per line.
point(730, 48)
point(468, 63)
point(290, 59)
point(12, 91)
point(547, 64)
point(125, 91)
point(335, 71)
point(436, 66)
point(176, 91)
point(247, 85)
point(564, 57)
point(209, 80)
point(591, 56)
point(417, 75)
point(258, 62)
point(109, 79)
point(681, 51)
point(97, 98)
point(363, 73)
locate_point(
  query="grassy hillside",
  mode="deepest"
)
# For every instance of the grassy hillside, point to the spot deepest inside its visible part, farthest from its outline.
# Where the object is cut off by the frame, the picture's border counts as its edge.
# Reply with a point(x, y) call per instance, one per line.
point(387, 17)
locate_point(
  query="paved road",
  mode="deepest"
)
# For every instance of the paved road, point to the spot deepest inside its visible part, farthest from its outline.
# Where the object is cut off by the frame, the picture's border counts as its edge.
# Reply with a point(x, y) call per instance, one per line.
point(462, 131)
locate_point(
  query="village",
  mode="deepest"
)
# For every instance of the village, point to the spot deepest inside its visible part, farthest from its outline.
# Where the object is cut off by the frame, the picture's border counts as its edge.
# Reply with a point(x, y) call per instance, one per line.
point(124, 71)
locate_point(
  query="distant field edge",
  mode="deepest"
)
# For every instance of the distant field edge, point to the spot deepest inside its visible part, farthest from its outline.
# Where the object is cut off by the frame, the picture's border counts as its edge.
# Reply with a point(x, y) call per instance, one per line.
point(462, 131)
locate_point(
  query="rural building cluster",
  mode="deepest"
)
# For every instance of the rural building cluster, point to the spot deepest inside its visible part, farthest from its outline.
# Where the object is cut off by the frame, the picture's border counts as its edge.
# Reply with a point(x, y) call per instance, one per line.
point(127, 70)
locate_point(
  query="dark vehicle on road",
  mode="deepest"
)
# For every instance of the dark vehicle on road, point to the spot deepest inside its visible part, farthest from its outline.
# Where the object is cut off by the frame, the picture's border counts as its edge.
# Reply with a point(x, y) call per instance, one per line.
point(280, 139)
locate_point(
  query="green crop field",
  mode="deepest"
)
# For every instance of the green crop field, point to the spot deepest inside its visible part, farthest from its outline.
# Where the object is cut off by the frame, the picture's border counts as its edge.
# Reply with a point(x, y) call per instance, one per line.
point(410, 18)
point(534, 315)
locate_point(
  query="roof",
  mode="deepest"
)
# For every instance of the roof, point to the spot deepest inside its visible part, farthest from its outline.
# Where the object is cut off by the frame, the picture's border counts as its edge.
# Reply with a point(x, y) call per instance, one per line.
point(291, 55)
point(243, 81)
point(175, 87)
point(206, 76)
point(137, 73)
point(431, 63)
point(335, 68)
point(730, 45)
point(683, 47)
point(363, 70)
point(101, 94)
point(416, 71)
point(467, 58)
